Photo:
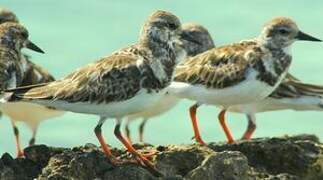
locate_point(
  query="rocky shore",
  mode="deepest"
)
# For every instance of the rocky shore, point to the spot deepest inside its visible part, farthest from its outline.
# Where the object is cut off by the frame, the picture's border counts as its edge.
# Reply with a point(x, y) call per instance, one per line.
point(284, 158)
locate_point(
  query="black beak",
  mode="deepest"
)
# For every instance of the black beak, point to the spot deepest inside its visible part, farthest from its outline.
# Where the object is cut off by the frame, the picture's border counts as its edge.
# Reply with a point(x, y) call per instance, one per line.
point(188, 37)
point(32, 46)
point(305, 37)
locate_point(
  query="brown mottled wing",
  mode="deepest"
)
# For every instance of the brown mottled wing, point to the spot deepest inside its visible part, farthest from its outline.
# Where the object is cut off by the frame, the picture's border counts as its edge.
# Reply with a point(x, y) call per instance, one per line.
point(35, 75)
point(291, 87)
point(10, 74)
point(217, 68)
point(6, 75)
point(114, 78)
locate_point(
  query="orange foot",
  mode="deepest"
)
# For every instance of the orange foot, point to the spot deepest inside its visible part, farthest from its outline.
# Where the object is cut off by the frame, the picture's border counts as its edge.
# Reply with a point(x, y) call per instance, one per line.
point(199, 140)
point(20, 154)
point(139, 157)
point(225, 128)
point(247, 136)
point(232, 142)
point(150, 154)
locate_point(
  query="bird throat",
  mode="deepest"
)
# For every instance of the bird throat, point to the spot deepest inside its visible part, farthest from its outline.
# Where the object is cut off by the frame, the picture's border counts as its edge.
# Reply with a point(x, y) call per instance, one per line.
point(166, 55)
point(272, 69)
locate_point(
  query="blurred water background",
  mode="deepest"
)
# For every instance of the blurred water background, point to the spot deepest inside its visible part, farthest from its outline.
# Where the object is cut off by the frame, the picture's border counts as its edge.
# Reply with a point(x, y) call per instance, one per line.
point(76, 32)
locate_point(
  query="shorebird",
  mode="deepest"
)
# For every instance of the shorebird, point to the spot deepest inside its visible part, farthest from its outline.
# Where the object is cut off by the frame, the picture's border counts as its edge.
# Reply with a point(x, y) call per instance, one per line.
point(203, 41)
point(13, 37)
point(291, 94)
point(239, 73)
point(29, 113)
point(126, 82)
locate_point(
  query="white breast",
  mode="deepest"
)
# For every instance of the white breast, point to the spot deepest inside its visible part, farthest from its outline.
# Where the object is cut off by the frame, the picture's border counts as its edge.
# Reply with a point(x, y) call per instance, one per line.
point(138, 103)
point(247, 91)
point(165, 104)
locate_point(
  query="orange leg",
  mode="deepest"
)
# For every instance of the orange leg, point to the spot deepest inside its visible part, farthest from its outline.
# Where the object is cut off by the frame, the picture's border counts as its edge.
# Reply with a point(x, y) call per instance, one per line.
point(251, 127)
point(197, 135)
point(225, 128)
point(132, 150)
point(141, 127)
point(247, 135)
point(98, 133)
point(17, 139)
point(150, 154)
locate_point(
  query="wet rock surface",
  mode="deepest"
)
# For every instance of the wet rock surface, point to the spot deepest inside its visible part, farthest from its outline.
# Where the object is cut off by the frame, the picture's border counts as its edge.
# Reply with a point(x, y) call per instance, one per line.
point(284, 158)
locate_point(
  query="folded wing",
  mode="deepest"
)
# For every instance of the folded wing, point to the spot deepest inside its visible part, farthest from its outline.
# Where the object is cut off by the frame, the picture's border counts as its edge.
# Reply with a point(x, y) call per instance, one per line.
point(217, 68)
point(114, 78)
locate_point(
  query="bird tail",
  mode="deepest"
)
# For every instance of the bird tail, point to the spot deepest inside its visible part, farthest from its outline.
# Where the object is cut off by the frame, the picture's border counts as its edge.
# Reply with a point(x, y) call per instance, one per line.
point(16, 94)
point(307, 89)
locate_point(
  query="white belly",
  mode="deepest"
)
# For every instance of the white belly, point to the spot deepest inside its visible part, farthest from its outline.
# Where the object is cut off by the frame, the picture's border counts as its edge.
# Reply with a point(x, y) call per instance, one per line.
point(138, 103)
point(247, 91)
point(29, 113)
point(165, 104)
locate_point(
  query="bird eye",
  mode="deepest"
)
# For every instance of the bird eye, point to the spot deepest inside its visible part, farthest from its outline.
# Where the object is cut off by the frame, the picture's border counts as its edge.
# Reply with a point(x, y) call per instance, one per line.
point(283, 31)
point(172, 26)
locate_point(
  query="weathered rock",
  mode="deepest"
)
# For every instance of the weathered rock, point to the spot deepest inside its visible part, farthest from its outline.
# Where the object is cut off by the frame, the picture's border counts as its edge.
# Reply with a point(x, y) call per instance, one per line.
point(257, 175)
point(129, 172)
point(40, 154)
point(224, 165)
point(86, 162)
point(296, 156)
point(287, 158)
point(304, 137)
point(19, 168)
point(179, 160)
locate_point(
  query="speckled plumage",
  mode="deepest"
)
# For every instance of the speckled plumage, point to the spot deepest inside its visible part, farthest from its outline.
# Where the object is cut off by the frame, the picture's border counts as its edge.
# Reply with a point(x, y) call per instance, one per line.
point(126, 82)
point(12, 37)
point(20, 69)
point(226, 66)
point(239, 73)
point(265, 58)
point(148, 65)
point(35, 74)
point(202, 42)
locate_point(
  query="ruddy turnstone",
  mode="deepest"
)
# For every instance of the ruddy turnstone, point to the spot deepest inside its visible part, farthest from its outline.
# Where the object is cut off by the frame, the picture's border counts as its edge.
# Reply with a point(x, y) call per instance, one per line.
point(291, 94)
point(31, 114)
point(203, 41)
point(13, 37)
point(239, 73)
point(32, 74)
point(126, 82)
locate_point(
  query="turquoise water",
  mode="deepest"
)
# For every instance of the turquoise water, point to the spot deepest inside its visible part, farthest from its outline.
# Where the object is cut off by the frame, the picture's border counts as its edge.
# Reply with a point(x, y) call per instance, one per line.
point(76, 32)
